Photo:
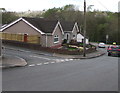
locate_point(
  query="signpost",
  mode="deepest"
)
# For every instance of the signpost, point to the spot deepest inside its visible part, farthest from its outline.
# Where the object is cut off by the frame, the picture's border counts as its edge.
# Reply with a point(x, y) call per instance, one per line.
point(107, 36)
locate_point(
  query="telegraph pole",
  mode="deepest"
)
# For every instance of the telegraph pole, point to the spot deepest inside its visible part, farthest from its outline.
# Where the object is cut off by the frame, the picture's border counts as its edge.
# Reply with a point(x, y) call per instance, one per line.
point(0, 46)
point(84, 42)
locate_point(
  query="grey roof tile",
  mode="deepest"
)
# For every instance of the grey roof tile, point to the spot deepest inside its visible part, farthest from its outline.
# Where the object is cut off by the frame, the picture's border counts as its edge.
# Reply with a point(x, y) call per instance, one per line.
point(47, 26)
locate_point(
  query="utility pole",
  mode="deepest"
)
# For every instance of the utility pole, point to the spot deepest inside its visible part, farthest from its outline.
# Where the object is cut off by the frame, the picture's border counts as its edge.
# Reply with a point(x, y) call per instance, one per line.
point(0, 46)
point(84, 42)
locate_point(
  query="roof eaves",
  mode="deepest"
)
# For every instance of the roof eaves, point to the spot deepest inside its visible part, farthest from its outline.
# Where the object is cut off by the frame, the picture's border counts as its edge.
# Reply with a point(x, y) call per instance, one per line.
point(25, 22)
point(32, 26)
point(58, 24)
point(74, 27)
point(61, 27)
point(11, 24)
point(77, 27)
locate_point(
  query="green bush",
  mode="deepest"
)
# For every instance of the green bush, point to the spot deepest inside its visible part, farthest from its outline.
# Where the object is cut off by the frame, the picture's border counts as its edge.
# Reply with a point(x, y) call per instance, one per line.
point(64, 41)
point(72, 49)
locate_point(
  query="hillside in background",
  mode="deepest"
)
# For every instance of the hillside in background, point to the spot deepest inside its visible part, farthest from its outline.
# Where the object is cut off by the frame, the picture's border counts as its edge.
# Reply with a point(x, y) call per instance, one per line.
point(99, 23)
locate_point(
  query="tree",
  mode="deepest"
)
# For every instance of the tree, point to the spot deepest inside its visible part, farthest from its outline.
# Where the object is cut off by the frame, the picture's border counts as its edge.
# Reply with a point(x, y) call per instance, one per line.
point(8, 17)
point(2, 9)
point(99, 24)
point(52, 13)
point(69, 7)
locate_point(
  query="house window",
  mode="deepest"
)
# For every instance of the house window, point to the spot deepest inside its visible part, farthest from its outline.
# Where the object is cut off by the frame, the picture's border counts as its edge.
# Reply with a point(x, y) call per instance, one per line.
point(73, 36)
point(63, 37)
point(56, 39)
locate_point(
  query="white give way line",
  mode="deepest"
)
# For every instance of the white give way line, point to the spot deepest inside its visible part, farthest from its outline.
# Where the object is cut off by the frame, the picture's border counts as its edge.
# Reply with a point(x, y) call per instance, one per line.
point(40, 57)
point(55, 61)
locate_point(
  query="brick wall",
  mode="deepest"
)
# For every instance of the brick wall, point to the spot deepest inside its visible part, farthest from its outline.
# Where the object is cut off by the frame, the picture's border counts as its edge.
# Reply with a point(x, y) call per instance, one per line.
point(46, 49)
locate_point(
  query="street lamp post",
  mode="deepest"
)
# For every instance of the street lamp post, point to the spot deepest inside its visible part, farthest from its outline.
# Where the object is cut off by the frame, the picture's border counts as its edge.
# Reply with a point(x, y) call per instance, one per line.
point(84, 42)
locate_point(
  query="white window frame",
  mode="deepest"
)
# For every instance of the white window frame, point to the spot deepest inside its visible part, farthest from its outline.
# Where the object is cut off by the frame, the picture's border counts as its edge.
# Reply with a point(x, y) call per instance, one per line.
point(56, 37)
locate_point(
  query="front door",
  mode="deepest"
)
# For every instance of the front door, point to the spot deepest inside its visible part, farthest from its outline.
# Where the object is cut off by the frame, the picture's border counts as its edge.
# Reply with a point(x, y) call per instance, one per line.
point(25, 37)
point(68, 37)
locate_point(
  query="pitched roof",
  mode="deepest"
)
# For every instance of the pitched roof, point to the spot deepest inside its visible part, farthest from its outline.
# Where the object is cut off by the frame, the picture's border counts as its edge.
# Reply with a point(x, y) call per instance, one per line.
point(47, 26)
point(43, 25)
point(67, 26)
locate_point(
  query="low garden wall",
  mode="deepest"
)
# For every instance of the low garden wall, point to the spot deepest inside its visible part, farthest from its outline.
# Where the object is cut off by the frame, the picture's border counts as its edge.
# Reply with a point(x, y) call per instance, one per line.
point(46, 49)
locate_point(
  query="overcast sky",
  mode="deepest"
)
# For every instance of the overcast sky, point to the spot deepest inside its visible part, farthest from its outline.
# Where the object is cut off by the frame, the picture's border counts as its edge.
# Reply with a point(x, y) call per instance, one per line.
point(33, 5)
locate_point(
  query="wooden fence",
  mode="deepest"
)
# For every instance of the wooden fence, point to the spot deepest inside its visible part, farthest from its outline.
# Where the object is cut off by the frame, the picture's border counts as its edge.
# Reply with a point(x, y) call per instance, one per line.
point(20, 37)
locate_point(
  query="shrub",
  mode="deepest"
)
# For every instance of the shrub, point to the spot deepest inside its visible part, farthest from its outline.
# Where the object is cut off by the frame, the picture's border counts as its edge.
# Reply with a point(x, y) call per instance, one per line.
point(64, 41)
point(73, 42)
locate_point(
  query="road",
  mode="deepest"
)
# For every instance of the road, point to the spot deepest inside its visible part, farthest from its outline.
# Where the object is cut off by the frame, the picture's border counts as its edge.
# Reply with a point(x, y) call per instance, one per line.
point(47, 73)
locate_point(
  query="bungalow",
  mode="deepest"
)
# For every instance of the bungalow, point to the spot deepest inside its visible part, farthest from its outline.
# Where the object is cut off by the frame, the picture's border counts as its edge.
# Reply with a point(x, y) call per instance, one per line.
point(70, 30)
point(50, 32)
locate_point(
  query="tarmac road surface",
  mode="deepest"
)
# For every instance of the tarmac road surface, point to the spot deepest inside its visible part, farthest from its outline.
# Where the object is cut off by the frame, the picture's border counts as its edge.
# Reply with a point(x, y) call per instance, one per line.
point(45, 73)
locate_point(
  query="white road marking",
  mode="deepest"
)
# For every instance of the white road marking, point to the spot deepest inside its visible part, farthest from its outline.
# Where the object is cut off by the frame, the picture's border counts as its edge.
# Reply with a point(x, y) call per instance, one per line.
point(46, 63)
point(56, 61)
point(71, 59)
point(62, 60)
point(66, 59)
point(31, 65)
point(40, 57)
point(39, 64)
point(52, 62)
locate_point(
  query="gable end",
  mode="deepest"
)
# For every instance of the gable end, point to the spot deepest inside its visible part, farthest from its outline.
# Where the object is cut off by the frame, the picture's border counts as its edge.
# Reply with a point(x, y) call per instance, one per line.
point(21, 19)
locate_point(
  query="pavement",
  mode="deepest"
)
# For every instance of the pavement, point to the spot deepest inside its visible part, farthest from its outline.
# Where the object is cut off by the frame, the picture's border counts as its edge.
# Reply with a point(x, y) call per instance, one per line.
point(8, 61)
point(95, 54)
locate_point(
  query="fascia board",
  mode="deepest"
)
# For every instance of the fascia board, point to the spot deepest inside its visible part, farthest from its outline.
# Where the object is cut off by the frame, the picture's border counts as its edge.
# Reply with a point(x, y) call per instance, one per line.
point(25, 22)
point(58, 24)
point(33, 26)
point(11, 24)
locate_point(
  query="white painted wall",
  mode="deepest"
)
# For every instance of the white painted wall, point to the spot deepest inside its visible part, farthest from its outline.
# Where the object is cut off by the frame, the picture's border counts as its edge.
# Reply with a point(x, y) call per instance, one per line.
point(80, 37)
point(69, 37)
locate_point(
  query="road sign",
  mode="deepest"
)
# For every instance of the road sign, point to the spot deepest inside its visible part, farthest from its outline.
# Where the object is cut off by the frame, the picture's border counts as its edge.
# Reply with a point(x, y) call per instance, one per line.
point(107, 36)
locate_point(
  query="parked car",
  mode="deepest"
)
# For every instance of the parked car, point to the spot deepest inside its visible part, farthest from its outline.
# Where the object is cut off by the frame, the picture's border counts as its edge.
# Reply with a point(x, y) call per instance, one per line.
point(113, 50)
point(101, 45)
